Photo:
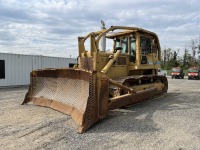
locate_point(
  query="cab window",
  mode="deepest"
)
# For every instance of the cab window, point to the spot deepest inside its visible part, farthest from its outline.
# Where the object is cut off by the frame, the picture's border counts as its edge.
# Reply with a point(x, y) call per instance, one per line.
point(145, 45)
point(125, 45)
point(133, 49)
point(118, 43)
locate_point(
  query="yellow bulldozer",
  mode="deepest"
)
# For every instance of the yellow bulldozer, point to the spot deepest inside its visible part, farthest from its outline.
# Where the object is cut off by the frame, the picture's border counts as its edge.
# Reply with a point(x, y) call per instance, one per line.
point(120, 72)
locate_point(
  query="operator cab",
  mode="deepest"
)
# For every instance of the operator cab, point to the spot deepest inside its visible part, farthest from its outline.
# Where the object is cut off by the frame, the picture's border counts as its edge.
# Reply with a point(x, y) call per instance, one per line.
point(126, 42)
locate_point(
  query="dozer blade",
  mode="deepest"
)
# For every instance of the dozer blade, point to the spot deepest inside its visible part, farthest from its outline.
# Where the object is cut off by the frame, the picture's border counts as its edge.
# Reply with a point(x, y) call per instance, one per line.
point(71, 91)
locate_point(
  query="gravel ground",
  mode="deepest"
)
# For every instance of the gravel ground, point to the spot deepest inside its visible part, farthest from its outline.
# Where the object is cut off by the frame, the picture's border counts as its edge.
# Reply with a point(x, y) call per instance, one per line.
point(170, 122)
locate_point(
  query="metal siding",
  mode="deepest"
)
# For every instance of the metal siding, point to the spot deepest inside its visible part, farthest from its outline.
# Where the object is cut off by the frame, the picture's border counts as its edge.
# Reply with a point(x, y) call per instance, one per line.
point(28, 69)
point(11, 69)
point(18, 67)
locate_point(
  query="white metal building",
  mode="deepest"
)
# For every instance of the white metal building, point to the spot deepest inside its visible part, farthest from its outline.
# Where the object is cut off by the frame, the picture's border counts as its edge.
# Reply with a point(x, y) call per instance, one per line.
point(15, 68)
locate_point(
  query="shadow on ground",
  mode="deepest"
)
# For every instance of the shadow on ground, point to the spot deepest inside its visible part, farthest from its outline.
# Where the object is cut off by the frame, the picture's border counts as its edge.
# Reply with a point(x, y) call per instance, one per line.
point(140, 117)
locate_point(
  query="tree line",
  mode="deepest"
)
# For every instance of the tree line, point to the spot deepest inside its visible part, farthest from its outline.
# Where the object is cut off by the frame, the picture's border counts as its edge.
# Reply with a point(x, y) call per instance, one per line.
point(190, 57)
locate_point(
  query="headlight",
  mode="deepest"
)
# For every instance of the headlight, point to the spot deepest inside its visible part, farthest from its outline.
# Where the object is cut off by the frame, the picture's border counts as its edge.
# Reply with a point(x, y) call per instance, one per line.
point(178, 73)
point(189, 74)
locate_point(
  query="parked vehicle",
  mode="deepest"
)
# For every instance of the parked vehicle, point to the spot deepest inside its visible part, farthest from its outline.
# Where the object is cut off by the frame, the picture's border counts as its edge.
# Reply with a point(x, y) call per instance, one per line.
point(177, 73)
point(194, 73)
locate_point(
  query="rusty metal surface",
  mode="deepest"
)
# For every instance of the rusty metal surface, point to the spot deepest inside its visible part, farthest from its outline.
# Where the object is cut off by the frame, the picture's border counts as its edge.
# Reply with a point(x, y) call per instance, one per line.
point(86, 63)
point(73, 92)
point(103, 96)
point(132, 98)
point(115, 83)
point(91, 113)
point(128, 98)
point(133, 82)
point(60, 89)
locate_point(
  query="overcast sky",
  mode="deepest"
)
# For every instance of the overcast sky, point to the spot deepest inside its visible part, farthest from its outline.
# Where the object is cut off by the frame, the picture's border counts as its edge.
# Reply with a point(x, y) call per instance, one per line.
point(51, 27)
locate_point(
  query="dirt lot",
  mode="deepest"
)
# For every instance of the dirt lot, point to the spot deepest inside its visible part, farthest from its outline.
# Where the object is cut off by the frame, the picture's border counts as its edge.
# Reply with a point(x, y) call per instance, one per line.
point(169, 122)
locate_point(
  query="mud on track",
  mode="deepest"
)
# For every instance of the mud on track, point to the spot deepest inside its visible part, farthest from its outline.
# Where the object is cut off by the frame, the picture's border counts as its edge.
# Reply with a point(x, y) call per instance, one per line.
point(169, 122)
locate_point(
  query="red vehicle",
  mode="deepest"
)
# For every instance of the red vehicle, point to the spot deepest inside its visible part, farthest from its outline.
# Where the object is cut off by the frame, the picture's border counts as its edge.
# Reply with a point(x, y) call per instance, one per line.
point(194, 73)
point(177, 73)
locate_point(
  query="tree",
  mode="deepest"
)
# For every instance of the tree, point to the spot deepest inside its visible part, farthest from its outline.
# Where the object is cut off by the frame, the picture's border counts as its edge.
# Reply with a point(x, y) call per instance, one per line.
point(185, 61)
point(170, 59)
point(195, 47)
point(166, 58)
point(174, 61)
point(191, 56)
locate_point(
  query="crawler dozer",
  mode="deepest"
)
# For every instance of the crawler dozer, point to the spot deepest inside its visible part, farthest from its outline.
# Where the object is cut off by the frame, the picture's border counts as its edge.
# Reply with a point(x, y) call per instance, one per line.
point(108, 76)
